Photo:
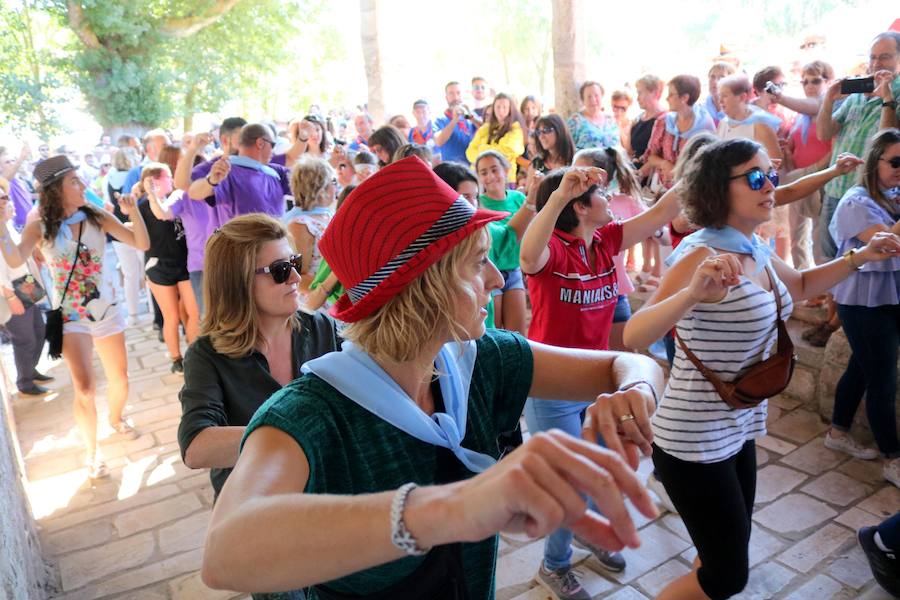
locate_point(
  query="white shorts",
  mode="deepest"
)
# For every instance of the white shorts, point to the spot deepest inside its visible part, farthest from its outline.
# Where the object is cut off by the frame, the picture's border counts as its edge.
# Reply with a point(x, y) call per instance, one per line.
point(112, 324)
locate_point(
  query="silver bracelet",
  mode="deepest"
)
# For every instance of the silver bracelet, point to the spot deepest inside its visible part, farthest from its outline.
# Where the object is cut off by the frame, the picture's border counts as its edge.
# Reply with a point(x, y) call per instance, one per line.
point(400, 535)
point(628, 386)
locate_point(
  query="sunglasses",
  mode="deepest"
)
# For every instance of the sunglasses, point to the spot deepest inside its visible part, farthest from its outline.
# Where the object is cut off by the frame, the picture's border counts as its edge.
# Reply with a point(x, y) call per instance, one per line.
point(280, 270)
point(813, 81)
point(4, 196)
point(756, 178)
point(268, 141)
point(544, 130)
point(893, 161)
point(619, 108)
point(478, 87)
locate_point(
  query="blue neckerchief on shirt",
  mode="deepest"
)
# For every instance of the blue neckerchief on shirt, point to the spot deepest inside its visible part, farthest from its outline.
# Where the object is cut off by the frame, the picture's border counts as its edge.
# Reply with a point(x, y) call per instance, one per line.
point(353, 373)
point(64, 232)
point(757, 115)
point(802, 123)
point(714, 111)
point(702, 122)
point(299, 212)
point(246, 161)
point(729, 239)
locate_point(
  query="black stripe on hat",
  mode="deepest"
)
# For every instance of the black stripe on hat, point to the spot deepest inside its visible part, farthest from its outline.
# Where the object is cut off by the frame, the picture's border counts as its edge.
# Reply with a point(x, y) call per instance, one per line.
point(455, 218)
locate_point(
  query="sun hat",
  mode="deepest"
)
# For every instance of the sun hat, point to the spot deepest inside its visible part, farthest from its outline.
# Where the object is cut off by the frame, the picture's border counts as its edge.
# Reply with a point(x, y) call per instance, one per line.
point(390, 229)
point(49, 170)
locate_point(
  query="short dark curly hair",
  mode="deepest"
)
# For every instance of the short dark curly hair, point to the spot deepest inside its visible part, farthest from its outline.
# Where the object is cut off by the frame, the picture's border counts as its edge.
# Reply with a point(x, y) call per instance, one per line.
point(705, 196)
point(567, 219)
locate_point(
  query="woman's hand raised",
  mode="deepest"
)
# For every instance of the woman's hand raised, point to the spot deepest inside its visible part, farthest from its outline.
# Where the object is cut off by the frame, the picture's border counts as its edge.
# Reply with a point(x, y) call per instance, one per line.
point(536, 490)
point(714, 276)
point(578, 180)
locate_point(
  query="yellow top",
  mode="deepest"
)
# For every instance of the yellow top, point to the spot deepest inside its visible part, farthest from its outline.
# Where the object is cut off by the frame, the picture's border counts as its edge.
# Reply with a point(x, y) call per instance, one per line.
point(511, 145)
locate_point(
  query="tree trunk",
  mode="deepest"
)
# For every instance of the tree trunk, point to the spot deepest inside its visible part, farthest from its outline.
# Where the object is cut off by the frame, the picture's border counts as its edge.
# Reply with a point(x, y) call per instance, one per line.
point(368, 29)
point(568, 54)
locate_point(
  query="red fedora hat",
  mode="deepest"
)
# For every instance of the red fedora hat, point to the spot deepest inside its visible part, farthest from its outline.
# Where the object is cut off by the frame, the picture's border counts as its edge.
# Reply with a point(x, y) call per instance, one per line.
point(396, 224)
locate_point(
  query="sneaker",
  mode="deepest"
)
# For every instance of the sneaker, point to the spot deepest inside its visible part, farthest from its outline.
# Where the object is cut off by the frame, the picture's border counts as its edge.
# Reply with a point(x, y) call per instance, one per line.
point(848, 445)
point(124, 429)
point(563, 584)
point(891, 471)
point(611, 561)
point(97, 468)
point(656, 486)
point(885, 566)
point(34, 390)
point(42, 377)
point(178, 365)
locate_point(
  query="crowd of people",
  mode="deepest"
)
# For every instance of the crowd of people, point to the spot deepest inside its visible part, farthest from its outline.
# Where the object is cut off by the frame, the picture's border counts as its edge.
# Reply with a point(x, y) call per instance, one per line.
point(444, 277)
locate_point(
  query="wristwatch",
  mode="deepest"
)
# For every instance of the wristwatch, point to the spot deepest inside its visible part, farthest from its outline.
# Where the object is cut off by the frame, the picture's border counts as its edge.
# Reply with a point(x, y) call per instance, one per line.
point(848, 256)
point(889, 104)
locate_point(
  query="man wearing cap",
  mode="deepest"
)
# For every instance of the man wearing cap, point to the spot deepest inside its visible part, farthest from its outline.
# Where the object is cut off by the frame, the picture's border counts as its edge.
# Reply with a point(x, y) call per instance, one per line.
point(423, 132)
point(417, 397)
point(456, 127)
point(246, 182)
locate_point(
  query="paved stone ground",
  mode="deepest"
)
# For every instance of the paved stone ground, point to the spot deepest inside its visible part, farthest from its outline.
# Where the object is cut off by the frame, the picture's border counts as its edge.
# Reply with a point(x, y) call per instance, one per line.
point(139, 534)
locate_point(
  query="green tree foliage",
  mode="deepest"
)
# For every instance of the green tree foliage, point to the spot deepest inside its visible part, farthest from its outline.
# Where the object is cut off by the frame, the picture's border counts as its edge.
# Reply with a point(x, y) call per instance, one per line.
point(140, 63)
point(30, 87)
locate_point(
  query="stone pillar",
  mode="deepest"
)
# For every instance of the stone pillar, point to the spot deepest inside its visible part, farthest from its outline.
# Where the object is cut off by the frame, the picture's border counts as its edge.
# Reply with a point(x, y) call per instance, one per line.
point(568, 54)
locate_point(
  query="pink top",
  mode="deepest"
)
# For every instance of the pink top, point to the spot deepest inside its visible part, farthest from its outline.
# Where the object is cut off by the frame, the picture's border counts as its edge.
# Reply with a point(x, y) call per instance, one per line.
point(810, 152)
point(624, 207)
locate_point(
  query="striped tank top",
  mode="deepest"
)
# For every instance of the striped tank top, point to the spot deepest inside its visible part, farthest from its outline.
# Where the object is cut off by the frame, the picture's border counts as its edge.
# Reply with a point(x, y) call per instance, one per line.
point(692, 422)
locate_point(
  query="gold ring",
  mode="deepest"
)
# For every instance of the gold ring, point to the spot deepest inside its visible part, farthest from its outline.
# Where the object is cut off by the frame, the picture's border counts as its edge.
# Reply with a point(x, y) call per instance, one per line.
point(628, 417)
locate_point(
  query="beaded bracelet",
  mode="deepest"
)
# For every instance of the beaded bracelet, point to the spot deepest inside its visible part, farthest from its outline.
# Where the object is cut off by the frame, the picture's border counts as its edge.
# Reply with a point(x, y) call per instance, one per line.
point(400, 535)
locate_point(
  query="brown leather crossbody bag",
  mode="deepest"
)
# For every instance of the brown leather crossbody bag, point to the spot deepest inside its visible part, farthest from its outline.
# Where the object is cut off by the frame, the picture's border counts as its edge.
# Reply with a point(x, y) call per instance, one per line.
point(764, 379)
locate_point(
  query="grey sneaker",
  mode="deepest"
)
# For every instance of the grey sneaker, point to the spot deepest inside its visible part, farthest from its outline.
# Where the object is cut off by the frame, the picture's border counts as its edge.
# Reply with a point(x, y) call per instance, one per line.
point(563, 584)
point(848, 445)
point(611, 561)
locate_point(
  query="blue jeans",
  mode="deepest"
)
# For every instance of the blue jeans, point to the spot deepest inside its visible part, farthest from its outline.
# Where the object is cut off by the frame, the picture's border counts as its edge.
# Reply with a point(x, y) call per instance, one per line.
point(197, 286)
point(826, 242)
point(874, 335)
point(541, 415)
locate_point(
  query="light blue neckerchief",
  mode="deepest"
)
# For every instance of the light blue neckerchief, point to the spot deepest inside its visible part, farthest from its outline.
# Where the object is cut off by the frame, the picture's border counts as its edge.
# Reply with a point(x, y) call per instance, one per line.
point(714, 111)
point(246, 161)
point(299, 212)
point(702, 122)
point(64, 232)
point(803, 123)
point(729, 239)
point(353, 373)
point(757, 115)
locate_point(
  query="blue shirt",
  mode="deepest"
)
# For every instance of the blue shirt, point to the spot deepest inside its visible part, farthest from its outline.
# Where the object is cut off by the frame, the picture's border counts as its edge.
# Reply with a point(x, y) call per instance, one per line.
point(454, 149)
point(133, 176)
point(877, 283)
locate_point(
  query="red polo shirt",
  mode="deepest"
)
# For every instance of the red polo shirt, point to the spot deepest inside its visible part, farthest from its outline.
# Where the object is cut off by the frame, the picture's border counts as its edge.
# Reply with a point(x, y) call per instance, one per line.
point(572, 302)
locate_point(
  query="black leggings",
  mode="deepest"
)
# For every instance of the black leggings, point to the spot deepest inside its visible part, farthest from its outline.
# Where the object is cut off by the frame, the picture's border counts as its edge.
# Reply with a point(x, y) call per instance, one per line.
point(715, 501)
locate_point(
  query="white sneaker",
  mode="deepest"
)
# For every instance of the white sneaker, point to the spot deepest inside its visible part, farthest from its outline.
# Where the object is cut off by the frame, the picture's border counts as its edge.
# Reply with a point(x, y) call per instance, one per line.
point(656, 486)
point(848, 445)
point(891, 471)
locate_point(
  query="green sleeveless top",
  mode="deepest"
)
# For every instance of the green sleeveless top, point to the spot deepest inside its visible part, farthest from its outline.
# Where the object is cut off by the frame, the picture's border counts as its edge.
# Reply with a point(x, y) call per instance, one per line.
point(352, 451)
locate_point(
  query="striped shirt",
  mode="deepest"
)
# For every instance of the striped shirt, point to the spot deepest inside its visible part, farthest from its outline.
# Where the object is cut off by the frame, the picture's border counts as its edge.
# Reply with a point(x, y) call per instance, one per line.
point(692, 422)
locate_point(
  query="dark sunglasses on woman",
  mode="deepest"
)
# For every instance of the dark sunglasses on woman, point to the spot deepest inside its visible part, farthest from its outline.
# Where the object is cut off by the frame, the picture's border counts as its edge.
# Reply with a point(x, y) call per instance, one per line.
point(280, 270)
point(894, 161)
point(756, 178)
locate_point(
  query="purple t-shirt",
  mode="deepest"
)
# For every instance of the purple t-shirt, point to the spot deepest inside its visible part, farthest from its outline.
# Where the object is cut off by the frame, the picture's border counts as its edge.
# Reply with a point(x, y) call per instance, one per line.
point(247, 190)
point(278, 159)
point(21, 198)
point(195, 216)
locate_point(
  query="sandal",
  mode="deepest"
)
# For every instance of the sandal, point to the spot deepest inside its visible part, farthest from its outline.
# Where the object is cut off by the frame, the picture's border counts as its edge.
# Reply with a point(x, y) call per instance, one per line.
point(819, 337)
point(97, 468)
point(124, 429)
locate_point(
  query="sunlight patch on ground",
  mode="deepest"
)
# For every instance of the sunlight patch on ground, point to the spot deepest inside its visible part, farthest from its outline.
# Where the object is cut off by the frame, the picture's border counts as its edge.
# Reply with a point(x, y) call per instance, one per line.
point(132, 475)
point(54, 493)
point(164, 471)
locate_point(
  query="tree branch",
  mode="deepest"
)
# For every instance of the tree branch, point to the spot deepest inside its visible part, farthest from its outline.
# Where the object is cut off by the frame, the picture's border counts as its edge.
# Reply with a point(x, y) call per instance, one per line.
point(80, 26)
point(187, 26)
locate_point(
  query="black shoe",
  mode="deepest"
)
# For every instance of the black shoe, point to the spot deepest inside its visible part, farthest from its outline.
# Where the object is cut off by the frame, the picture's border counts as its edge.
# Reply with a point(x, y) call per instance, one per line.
point(34, 390)
point(160, 337)
point(178, 365)
point(885, 566)
point(42, 377)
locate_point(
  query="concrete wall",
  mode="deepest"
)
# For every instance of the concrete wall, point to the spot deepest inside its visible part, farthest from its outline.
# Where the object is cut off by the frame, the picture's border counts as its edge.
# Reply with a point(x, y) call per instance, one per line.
point(23, 573)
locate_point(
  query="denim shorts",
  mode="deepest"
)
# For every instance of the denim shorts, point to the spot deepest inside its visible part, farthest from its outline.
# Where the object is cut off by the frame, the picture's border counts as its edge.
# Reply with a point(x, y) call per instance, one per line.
point(623, 310)
point(512, 280)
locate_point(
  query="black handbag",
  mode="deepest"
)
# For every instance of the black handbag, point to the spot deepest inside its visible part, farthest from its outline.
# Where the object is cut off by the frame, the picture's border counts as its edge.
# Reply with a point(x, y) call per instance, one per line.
point(53, 333)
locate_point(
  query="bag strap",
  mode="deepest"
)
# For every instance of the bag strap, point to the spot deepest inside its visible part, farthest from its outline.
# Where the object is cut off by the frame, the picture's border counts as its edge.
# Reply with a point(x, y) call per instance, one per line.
point(74, 262)
point(783, 339)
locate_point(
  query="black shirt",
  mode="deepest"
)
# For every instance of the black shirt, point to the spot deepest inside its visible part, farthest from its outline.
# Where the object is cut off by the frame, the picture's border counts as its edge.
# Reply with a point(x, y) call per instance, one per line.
point(640, 137)
point(167, 241)
point(220, 391)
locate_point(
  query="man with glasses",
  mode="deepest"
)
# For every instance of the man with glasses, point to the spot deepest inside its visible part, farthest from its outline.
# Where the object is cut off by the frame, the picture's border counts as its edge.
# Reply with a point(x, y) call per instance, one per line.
point(857, 119)
point(480, 95)
point(456, 127)
point(247, 182)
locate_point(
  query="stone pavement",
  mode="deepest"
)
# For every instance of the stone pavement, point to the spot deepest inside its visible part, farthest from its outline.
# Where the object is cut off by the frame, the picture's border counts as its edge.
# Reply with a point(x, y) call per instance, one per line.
point(139, 534)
